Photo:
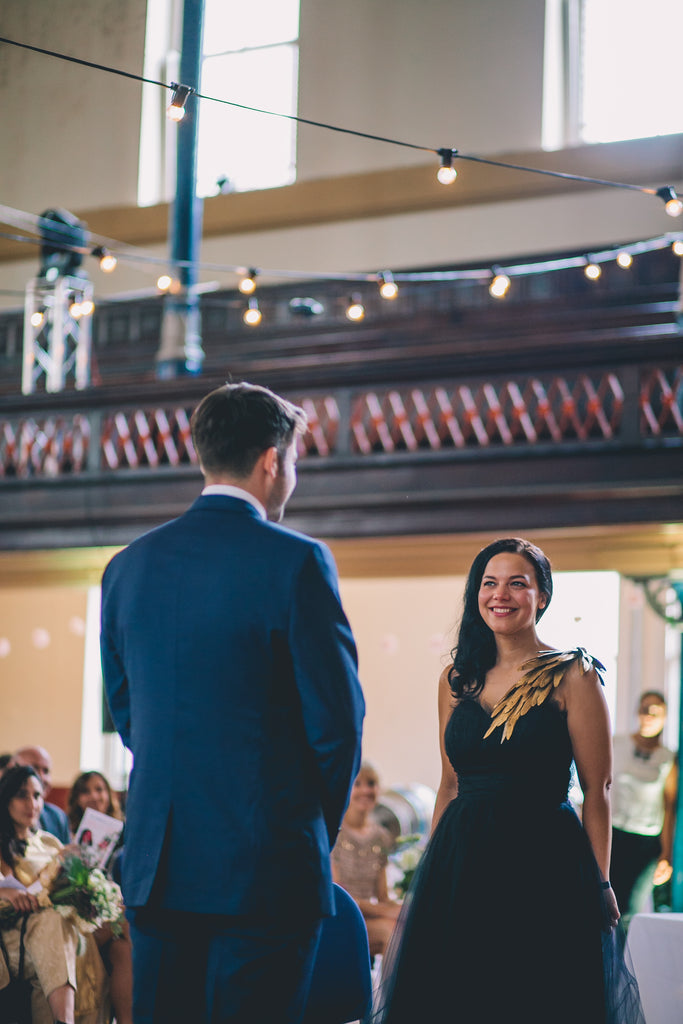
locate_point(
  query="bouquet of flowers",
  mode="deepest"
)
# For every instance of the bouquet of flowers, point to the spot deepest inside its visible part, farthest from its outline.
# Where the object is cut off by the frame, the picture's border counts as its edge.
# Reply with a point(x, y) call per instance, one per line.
point(405, 860)
point(79, 892)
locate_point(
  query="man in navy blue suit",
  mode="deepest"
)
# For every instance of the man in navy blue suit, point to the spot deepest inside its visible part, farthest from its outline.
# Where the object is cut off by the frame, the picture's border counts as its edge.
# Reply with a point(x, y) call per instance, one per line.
point(231, 674)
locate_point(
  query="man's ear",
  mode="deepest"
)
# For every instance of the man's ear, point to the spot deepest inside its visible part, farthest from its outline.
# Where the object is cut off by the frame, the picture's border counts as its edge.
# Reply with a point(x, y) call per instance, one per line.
point(271, 461)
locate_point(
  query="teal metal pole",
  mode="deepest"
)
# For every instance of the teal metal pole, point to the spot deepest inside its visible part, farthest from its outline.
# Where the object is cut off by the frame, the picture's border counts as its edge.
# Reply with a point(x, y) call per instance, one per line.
point(181, 349)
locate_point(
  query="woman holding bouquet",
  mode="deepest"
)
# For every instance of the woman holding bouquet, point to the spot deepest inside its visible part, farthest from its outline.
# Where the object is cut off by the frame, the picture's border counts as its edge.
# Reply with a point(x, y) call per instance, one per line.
point(50, 940)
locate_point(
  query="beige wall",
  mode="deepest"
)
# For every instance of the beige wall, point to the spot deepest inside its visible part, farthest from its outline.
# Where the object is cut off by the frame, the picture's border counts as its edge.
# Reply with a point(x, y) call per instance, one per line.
point(42, 644)
point(404, 629)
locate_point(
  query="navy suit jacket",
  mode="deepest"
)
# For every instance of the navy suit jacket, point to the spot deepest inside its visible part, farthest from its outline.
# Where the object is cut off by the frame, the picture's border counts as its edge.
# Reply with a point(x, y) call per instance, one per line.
point(231, 674)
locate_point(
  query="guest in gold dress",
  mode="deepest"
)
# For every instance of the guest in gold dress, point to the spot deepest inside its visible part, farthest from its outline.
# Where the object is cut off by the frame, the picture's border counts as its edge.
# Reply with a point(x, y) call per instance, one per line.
point(50, 941)
point(359, 860)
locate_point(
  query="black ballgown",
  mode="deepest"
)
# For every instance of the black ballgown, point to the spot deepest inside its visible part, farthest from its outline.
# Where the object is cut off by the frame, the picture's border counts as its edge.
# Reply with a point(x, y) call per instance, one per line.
point(505, 918)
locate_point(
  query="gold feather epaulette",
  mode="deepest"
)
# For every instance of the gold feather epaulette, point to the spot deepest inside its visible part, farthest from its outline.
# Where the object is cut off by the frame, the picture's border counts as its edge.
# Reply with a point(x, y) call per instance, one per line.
point(542, 675)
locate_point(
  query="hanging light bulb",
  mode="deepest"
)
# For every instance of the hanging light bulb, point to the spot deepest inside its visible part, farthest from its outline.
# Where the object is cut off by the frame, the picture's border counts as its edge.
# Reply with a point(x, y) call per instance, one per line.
point(500, 285)
point(672, 204)
point(355, 310)
point(107, 261)
point(75, 310)
point(37, 319)
point(164, 282)
point(87, 307)
point(388, 288)
point(447, 173)
point(252, 315)
point(624, 259)
point(247, 284)
point(592, 270)
point(678, 247)
point(176, 109)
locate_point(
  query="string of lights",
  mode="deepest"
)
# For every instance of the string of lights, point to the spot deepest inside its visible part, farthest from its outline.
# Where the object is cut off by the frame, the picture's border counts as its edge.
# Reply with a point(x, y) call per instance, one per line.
point(446, 174)
point(498, 277)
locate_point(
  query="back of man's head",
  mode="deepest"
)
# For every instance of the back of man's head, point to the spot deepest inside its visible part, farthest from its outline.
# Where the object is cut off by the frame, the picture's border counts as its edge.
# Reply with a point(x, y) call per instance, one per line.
point(234, 424)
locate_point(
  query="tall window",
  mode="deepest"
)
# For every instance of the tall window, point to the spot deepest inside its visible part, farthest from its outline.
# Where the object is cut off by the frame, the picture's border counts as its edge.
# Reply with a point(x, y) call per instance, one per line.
point(251, 57)
point(612, 70)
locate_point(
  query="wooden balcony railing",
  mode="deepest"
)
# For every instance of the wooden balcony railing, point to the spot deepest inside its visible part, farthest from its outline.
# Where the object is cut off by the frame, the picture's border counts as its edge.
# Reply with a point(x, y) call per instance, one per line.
point(629, 406)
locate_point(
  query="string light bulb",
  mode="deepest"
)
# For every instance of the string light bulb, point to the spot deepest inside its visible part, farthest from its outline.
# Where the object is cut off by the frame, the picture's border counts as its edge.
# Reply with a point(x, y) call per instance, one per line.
point(624, 259)
point(37, 319)
point(500, 285)
point(592, 270)
point(447, 173)
point(176, 109)
point(75, 310)
point(164, 282)
point(107, 260)
point(678, 247)
point(252, 315)
point(672, 204)
point(247, 284)
point(355, 310)
point(388, 288)
point(87, 307)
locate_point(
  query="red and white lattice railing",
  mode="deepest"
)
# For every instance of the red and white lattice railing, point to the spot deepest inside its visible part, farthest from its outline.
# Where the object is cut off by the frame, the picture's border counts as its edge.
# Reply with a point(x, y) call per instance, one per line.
point(509, 414)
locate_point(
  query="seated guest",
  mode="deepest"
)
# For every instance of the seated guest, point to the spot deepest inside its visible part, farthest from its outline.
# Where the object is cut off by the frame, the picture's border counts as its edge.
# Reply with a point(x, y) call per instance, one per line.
point(53, 819)
point(50, 940)
point(359, 860)
point(92, 789)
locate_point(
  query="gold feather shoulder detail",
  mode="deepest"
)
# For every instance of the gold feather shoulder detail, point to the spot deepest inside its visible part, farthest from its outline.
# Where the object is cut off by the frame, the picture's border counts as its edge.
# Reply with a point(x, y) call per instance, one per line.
point(542, 675)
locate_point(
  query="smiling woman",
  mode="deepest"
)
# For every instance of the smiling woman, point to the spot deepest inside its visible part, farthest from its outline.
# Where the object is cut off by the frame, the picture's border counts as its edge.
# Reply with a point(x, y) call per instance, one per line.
point(506, 845)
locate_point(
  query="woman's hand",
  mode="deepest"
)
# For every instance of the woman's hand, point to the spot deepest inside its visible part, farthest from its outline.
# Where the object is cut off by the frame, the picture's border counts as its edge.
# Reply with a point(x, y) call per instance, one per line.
point(24, 902)
point(663, 872)
point(612, 914)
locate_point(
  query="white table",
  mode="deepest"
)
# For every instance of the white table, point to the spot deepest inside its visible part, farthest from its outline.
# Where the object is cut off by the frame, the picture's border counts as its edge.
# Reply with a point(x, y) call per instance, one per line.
point(656, 945)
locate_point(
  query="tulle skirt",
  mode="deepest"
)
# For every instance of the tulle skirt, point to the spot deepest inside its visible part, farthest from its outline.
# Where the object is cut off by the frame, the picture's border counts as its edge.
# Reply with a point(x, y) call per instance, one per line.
point(504, 922)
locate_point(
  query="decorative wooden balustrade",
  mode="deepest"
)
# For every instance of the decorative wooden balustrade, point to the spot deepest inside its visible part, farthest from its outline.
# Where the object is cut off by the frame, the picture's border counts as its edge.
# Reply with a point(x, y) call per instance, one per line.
point(441, 413)
point(371, 457)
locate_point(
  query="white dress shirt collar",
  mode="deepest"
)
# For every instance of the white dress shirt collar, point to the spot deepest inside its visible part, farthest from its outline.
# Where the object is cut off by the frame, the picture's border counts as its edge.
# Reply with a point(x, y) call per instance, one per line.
point(235, 492)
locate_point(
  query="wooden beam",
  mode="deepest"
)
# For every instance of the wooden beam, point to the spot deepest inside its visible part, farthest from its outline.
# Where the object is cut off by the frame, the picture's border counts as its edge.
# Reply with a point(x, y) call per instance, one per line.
point(651, 162)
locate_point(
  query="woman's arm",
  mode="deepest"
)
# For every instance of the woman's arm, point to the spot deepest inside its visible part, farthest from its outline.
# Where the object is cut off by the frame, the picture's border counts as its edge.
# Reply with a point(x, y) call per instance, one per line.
point(664, 870)
point(448, 787)
point(591, 739)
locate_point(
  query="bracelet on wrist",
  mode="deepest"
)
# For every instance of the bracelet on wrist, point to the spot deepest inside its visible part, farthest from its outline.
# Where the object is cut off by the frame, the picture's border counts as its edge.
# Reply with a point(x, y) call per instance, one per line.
point(605, 885)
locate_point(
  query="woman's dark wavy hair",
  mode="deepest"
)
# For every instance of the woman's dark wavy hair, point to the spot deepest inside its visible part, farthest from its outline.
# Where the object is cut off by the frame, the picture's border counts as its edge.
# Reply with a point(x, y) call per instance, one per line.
point(10, 784)
point(475, 652)
point(75, 813)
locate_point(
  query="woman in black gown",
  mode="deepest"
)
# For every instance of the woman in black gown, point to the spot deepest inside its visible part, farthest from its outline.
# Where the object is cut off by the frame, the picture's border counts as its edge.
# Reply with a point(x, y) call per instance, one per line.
point(511, 916)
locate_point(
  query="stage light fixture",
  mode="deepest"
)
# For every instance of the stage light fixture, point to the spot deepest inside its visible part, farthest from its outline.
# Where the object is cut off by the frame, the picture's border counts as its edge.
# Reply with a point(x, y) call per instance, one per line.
point(63, 239)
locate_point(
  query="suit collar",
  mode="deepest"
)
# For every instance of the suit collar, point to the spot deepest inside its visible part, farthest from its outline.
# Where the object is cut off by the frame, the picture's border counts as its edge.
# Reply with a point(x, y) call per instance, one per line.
point(226, 503)
point(231, 491)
